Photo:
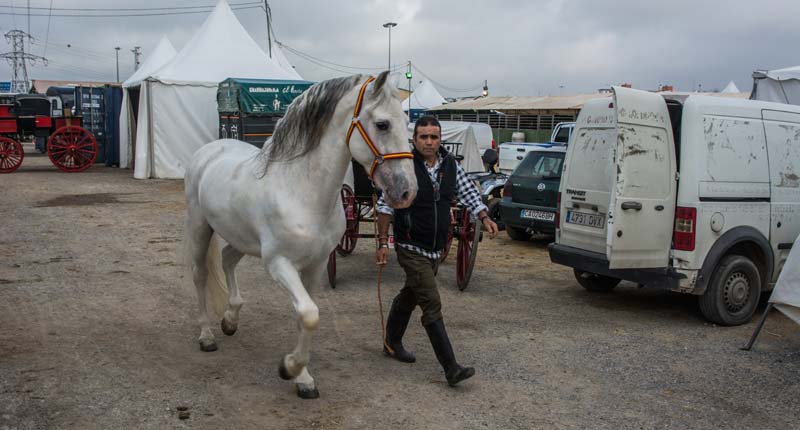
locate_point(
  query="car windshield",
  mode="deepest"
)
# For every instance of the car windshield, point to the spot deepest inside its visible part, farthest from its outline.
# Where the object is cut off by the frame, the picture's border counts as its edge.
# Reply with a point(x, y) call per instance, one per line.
point(541, 164)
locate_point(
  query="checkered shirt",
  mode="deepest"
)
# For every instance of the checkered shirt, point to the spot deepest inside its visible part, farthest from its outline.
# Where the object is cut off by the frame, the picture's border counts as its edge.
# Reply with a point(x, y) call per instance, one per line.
point(466, 193)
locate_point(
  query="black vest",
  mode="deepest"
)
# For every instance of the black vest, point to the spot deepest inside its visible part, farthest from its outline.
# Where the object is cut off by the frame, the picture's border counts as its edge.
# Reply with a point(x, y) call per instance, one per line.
point(426, 222)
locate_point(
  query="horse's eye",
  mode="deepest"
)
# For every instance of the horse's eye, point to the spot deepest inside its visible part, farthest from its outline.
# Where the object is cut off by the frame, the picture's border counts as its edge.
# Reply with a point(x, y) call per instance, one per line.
point(382, 125)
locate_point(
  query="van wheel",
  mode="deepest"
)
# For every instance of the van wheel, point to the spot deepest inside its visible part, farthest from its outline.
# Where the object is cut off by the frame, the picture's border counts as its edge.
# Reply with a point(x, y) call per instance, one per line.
point(732, 295)
point(517, 233)
point(594, 282)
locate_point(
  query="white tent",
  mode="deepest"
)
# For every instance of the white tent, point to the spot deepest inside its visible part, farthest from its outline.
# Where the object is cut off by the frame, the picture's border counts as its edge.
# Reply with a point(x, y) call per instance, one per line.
point(178, 108)
point(162, 54)
point(782, 85)
point(730, 88)
point(424, 97)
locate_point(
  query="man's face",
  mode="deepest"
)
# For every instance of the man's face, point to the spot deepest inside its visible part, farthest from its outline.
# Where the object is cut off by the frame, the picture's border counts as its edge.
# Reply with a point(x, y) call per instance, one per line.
point(427, 140)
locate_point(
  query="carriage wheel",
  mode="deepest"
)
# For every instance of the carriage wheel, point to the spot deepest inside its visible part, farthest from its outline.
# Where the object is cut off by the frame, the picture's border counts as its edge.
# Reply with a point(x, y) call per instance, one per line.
point(446, 250)
point(352, 214)
point(72, 149)
point(468, 238)
point(332, 269)
point(11, 154)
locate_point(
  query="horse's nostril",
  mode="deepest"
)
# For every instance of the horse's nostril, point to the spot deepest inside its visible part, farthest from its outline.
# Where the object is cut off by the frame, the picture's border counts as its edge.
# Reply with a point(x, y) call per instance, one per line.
point(405, 195)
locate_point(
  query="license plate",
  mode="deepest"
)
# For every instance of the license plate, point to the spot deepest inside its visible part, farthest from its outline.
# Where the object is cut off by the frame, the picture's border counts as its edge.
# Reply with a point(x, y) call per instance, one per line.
point(592, 220)
point(537, 215)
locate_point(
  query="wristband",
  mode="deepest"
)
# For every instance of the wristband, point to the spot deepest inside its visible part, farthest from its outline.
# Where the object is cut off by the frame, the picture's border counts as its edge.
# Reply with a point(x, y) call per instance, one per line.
point(483, 218)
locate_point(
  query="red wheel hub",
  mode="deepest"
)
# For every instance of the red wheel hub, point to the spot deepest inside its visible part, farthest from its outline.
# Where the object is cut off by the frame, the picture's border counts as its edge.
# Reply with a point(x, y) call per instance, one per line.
point(72, 148)
point(11, 154)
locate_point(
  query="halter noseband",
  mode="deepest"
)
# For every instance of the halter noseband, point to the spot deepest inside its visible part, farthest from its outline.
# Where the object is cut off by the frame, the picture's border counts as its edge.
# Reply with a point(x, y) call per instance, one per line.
point(356, 124)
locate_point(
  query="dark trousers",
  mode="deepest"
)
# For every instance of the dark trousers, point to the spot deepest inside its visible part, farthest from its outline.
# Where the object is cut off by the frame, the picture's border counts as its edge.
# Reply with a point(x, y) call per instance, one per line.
point(420, 287)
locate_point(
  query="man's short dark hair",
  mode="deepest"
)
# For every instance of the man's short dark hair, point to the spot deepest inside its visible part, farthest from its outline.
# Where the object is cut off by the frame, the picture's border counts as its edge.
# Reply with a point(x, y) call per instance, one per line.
point(425, 121)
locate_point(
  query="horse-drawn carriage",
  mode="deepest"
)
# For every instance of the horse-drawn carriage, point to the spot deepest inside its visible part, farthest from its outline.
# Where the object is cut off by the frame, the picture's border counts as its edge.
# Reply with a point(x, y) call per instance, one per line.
point(70, 147)
point(359, 207)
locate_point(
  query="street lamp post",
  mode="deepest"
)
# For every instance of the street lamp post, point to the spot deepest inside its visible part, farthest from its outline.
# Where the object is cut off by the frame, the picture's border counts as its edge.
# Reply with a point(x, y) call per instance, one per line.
point(389, 25)
point(117, 48)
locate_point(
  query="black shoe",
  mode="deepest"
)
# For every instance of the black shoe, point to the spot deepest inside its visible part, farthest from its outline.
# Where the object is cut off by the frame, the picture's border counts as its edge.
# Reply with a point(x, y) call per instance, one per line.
point(396, 324)
point(454, 372)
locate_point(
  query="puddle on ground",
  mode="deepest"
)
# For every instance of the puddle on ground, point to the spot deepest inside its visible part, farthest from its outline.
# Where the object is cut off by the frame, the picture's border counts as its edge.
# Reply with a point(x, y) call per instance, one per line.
point(87, 200)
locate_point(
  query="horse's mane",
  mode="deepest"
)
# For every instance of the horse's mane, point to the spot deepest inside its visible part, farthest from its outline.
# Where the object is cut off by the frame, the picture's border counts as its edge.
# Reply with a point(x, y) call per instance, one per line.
point(301, 129)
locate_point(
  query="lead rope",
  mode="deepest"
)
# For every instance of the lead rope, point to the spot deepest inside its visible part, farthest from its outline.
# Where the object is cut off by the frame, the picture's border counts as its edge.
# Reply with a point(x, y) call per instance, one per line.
point(380, 272)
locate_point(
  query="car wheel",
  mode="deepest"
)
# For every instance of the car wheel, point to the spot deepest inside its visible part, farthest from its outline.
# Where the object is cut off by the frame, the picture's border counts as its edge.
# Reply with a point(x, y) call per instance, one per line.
point(733, 293)
point(517, 233)
point(594, 282)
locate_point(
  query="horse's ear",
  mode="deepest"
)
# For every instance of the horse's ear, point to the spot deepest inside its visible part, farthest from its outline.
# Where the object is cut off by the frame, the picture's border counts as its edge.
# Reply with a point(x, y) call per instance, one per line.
point(380, 82)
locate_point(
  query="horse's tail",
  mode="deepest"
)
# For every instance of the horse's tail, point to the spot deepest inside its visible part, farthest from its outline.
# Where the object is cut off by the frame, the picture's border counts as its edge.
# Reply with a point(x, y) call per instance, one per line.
point(216, 286)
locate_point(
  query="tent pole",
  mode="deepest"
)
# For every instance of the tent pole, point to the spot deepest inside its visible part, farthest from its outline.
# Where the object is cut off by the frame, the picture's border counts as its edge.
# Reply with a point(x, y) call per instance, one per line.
point(758, 329)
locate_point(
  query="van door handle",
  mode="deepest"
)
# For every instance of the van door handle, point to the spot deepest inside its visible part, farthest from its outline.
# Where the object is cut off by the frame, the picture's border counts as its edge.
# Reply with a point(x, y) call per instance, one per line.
point(632, 205)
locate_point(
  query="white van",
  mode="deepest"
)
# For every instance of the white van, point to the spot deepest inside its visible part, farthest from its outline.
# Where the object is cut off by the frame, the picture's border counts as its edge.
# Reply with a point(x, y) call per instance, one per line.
point(700, 197)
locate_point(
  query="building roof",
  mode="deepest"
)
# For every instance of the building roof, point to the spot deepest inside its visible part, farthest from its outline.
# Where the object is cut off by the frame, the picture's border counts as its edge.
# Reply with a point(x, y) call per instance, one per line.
point(549, 103)
point(40, 86)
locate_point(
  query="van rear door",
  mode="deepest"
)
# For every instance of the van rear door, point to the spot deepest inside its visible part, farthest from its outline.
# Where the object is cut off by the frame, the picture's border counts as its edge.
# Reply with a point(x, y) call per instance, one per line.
point(642, 206)
point(588, 178)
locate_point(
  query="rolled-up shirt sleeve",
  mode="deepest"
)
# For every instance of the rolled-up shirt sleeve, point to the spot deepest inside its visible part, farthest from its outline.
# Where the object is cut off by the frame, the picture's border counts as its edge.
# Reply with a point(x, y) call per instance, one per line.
point(383, 207)
point(467, 193)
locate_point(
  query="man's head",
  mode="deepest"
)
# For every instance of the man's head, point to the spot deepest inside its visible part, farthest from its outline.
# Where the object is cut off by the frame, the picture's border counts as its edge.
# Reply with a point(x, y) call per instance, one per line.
point(427, 136)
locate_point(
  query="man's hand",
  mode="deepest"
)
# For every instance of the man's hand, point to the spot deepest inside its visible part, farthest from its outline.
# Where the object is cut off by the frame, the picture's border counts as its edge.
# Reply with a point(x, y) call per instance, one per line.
point(490, 226)
point(382, 256)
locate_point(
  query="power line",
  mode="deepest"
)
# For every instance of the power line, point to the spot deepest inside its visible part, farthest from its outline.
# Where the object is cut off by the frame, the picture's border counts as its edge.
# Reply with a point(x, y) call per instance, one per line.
point(137, 9)
point(321, 62)
point(445, 87)
point(47, 36)
point(126, 15)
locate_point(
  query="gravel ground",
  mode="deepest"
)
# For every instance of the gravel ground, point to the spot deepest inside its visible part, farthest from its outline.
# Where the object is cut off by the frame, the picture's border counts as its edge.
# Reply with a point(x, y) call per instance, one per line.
point(98, 331)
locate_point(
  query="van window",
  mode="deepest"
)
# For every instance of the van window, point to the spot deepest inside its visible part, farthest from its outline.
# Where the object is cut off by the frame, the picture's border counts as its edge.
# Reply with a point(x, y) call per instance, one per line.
point(736, 149)
point(541, 164)
point(563, 135)
point(592, 160)
point(644, 162)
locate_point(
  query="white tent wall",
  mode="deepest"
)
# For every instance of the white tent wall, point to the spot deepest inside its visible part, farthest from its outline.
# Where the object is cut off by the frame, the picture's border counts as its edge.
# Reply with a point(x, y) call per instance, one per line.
point(782, 85)
point(164, 148)
point(162, 54)
point(125, 117)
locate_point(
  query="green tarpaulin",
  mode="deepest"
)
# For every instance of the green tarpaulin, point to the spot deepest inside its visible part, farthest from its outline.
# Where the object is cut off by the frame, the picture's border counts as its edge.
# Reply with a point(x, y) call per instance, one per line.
point(258, 96)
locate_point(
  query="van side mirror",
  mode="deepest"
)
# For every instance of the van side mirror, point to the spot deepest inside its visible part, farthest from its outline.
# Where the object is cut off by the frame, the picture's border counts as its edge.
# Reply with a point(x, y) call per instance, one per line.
point(489, 158)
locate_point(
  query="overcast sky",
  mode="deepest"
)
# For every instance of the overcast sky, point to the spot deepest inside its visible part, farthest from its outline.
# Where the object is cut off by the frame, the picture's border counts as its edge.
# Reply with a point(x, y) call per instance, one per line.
point(521, 47)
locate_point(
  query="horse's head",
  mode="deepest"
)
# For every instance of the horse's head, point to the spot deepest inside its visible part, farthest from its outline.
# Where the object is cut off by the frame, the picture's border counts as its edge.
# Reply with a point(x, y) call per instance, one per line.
point(382, 123)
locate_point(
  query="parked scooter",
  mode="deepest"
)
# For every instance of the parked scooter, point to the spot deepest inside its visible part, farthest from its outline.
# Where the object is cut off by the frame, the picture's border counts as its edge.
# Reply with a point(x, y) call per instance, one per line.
point(491, 185)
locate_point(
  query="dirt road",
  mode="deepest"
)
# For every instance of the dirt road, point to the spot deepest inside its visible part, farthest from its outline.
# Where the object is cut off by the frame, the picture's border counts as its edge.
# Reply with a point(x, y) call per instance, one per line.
point(97, 330)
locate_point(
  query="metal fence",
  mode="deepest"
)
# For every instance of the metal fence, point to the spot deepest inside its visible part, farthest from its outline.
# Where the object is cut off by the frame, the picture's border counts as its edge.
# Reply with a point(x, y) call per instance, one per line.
point(497, 120)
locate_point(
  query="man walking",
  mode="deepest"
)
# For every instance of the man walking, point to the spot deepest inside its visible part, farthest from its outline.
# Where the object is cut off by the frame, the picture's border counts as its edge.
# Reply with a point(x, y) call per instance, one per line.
point(421, 234)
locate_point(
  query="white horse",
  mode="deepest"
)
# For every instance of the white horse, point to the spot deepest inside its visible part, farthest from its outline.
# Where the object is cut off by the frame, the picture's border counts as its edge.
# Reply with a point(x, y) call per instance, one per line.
point(282, 203)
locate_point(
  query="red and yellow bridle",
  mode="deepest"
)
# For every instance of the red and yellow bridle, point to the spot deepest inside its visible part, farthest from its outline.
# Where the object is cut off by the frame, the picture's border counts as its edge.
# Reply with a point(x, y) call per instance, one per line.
point(356, 124)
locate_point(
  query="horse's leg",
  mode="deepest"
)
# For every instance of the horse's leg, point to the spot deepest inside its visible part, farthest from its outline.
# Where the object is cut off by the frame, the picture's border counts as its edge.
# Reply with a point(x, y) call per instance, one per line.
point(311, 277)
point(198, 233)
point(230, 321)
point(294, 365)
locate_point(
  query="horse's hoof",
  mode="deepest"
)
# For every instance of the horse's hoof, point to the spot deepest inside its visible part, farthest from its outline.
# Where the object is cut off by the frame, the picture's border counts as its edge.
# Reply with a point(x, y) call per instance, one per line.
point(228, 328)
point(283, 372)
point(307, 393)
point(208, 345)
